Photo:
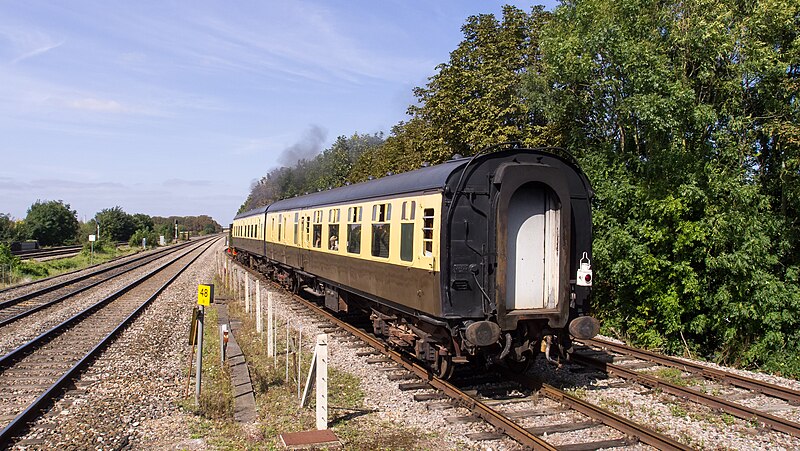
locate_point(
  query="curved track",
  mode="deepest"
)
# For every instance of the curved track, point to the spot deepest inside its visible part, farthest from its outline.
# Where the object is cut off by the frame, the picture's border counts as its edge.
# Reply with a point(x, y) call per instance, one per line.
point(34, 374)
point(602, 361)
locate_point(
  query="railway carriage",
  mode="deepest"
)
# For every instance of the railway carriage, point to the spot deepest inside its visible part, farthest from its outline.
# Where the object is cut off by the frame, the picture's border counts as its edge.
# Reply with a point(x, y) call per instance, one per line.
point(484, 257)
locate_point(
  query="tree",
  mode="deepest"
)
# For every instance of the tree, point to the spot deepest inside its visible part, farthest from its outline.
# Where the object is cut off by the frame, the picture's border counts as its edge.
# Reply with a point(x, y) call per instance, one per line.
point(143, 221)
point(115, 224)
point(8, 229)
point(51, 223)
point(668, 107)
point(475, 100)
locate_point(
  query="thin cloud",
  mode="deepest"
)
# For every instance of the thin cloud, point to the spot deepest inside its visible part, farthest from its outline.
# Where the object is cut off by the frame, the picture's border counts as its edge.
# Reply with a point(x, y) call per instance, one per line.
point(92, 104)
point(36, 52)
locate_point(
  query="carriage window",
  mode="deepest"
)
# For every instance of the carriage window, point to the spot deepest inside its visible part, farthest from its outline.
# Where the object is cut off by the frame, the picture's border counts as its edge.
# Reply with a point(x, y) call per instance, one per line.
point(333, 229)
point(408, 211)
point(296, 217)
point(407, 241)
point(333, 215)
point(317, 235)
point(381, 214)
point(354, 230)
point(280, 222)
point(427, 232)
point(333, 233)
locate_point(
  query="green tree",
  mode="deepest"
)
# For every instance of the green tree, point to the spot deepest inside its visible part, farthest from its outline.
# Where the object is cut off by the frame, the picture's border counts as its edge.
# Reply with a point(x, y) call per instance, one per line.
point(143, 221)
point(658, 101)
point(475, 100)
point(8, 229)
point(51, 223)
point(115, 224)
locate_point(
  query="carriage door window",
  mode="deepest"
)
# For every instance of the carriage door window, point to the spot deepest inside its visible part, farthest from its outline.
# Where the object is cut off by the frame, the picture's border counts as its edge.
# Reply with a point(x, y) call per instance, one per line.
point(280, 221)
point(317, 240)
point(427, 232)
point(381, 215)
point(333, 229)
point(407, 231)
point(354, 230)
point(296, 218)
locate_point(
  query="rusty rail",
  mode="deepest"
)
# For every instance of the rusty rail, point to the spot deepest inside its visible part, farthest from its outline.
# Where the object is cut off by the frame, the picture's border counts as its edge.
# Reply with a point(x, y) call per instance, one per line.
point(737, 410)
point(776, 391)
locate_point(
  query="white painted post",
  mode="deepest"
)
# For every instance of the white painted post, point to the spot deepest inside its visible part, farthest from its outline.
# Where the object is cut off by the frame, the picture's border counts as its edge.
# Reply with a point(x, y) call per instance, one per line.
point(237, 275)
point(299, 359)
point(246, 291)
point(270, 327)
point(259, 313)
point(321, 350)
point(286, 378)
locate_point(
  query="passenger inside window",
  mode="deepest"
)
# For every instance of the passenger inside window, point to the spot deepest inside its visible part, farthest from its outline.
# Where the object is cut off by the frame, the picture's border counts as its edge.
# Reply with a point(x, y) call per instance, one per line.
point(380, 240)
point(354, 238)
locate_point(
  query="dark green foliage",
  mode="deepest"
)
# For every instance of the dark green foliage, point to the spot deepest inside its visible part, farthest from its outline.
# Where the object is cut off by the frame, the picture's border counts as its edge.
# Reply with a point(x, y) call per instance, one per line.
point(166, 226)
point(52, 223)
point(115, 224)
point(8, 229)
point(677, 111)
point(143, 222)
point(6, 258)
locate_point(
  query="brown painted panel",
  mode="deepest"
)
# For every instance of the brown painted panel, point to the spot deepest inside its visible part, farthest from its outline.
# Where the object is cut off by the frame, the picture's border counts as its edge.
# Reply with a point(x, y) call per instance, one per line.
point(411, 287)
point(250, 245)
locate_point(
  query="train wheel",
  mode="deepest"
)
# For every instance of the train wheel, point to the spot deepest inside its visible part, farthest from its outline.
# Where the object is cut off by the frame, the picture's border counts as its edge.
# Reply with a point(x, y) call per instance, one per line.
point(444, 367)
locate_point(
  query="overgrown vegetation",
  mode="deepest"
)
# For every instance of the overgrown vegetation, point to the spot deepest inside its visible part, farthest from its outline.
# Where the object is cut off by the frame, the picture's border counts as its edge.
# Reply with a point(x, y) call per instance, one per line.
point(685, 117)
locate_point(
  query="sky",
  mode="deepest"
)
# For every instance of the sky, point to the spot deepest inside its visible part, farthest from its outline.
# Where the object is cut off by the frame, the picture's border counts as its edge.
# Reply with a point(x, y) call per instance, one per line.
point(176, 108)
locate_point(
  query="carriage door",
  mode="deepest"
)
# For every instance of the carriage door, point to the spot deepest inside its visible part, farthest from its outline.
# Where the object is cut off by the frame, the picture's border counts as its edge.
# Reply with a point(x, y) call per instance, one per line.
point(532, 277)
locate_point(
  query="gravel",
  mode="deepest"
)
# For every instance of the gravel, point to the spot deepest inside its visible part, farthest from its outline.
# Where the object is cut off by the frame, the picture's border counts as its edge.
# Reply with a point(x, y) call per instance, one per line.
point(128, 398)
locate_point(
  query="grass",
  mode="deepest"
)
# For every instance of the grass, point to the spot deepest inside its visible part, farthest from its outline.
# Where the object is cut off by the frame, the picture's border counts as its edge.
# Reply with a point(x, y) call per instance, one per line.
point(671, 375)
point(30, 270)
point(277, 400)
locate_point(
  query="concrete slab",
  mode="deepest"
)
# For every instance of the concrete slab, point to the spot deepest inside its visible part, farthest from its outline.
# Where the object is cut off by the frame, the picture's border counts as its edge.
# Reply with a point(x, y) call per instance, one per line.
point(244, 401)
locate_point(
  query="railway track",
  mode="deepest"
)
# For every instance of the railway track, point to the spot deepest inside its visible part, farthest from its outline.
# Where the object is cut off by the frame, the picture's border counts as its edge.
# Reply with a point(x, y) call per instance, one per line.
point(19, 307)
point(504, 423)
point(48, 252)
point(37, 372)
point(596, 356)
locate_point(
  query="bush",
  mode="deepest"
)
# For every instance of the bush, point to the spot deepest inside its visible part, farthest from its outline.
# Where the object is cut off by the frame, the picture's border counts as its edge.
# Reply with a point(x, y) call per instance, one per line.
point(149, 235)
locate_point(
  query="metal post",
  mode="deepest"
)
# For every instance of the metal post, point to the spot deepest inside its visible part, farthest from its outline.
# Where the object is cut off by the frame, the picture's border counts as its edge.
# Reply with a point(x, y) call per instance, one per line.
point(198, 373)
point(259, 313)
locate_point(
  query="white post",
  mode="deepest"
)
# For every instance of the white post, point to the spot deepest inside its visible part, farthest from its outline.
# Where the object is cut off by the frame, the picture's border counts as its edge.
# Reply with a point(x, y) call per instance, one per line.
point(286, 379)
point(270, 327)
point(237, 292)
point(247, 291)
point(259, 321)
point(299, 359)
point(322, 381)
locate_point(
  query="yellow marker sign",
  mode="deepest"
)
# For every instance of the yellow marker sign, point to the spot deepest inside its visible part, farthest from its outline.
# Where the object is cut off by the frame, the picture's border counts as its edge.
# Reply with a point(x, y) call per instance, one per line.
point(205, 293)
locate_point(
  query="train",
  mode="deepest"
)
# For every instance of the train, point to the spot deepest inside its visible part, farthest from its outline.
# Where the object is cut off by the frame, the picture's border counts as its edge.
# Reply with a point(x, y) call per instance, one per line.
point(484, 259)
